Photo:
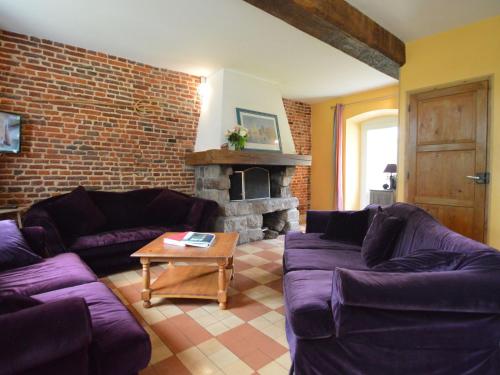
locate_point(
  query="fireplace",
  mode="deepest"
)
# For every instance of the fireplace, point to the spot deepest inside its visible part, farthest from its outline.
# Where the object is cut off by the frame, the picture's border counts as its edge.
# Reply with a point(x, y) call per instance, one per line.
point(252, 189)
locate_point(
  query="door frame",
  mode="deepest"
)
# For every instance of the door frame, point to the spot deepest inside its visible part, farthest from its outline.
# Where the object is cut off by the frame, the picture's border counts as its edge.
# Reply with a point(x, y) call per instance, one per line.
point(409, 158)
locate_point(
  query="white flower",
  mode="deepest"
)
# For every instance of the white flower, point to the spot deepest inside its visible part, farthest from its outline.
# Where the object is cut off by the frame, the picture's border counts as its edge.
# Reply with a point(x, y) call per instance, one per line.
point(243, 132)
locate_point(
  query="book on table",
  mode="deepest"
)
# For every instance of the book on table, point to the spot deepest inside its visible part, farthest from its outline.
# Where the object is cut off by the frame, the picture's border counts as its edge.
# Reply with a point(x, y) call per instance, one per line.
point(190, 239)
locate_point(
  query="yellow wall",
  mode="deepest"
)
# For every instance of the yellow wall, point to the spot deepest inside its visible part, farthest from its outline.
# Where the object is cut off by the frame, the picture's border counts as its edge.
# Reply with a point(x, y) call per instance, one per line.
point(458, 55)
point(322, 184)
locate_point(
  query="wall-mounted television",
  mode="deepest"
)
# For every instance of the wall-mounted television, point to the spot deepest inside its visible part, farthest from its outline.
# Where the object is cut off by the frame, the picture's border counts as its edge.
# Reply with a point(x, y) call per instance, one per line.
point(10, 133)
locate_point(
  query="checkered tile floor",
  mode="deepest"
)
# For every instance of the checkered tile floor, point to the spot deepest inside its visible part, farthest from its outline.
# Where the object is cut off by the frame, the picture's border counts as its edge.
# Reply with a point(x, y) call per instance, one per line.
point(195, 337)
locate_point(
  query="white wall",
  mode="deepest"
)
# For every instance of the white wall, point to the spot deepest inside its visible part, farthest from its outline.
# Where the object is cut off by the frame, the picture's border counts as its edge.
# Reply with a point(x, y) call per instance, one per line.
point(228, 90)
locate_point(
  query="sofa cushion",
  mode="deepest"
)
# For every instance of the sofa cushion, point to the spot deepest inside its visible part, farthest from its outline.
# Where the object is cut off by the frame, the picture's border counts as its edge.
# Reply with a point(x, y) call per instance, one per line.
point(321, 259)
point(61, 271)
point(119, 344)
point(10, 303)
point(14, 251)
point(308, 303)
point(119, 236)
point(422, 261)
point(480, 260)
point(76, 214)
point(347, 226)
point(380, 239)
point(168, 208)
point(299, 240)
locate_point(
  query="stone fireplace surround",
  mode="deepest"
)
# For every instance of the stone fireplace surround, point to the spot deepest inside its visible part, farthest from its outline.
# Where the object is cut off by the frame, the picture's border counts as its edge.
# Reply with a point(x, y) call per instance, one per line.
point(249, 218)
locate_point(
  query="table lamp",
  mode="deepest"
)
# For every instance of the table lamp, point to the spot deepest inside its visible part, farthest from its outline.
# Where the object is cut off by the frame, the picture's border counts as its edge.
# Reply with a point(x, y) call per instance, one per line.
point(391, 168)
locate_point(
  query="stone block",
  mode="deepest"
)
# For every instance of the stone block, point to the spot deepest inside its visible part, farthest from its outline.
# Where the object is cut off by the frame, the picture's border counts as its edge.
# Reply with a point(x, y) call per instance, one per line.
point(291, 215)
point(220, 196)
point(285, 192)
point(254, 221)
point(213, 171)
point(231, 224)
point(292, 226)
point(285, 181)
point(270, 234)
point(289, 171)
point(255, 234)
point(219, 183)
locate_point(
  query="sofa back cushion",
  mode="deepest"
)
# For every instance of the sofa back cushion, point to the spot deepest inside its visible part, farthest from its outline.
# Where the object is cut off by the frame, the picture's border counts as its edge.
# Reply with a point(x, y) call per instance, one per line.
point(76, 214)
point(422, 231)
point(168, 208)
point(14, 251)
point(380, 239)
point(124, 209)
point(347, 226)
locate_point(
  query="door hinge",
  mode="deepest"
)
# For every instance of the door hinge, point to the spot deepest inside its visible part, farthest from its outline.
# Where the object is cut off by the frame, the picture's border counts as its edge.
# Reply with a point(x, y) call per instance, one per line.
point(409, 107)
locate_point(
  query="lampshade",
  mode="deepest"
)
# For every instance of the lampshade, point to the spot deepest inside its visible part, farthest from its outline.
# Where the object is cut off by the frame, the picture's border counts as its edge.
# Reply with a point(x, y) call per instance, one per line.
point(390, 168)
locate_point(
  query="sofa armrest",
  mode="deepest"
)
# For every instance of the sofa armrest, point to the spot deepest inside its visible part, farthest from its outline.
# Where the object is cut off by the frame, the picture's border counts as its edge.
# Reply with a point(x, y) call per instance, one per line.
point(37, 217)
point(41, 334)
point(201, 215)
point(316, 221)
point(35, 236)
point(447, 291)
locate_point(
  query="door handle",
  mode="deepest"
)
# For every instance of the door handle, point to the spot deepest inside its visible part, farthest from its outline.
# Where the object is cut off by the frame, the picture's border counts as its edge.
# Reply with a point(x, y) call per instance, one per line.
point(480, 178)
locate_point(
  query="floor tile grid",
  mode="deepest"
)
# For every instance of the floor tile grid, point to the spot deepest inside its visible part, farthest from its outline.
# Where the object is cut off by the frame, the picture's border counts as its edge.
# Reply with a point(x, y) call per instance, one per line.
point(195, 337)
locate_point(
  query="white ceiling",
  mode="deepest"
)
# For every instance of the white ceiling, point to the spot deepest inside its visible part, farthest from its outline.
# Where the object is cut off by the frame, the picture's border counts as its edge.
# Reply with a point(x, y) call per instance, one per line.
point(413, 19)
point(202, 36)
point(197, 37)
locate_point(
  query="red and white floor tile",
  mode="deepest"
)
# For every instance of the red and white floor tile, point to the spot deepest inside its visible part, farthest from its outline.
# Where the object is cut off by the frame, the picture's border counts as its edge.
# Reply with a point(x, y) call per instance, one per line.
point(195, 337)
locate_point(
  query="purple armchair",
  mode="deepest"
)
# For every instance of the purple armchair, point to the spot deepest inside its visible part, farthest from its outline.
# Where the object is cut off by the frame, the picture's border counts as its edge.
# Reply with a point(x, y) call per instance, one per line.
point(433, 307)
point(104, 228)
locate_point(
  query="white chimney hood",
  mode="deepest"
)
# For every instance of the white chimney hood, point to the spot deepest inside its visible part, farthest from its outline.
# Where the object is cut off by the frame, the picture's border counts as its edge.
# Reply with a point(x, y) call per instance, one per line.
point(228, 90)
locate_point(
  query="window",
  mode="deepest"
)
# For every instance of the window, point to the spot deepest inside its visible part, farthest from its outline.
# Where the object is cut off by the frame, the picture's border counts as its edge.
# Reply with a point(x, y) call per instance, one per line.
point(379, 147)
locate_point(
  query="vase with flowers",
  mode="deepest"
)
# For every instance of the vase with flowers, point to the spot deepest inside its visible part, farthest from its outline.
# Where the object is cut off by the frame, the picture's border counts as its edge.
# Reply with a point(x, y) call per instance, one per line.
point(237, 137)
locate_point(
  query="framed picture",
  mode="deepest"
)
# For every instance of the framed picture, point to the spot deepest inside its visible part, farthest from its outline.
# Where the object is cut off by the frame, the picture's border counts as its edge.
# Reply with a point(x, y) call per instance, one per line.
point(10, 133)
point(263, 130)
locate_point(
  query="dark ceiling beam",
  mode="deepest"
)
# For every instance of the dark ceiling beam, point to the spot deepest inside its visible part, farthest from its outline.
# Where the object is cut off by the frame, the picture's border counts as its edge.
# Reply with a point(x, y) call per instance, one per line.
point(342, 26)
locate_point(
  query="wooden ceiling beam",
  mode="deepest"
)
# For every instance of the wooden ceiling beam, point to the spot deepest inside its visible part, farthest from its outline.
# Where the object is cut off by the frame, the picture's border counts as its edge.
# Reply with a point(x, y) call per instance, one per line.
point(342, 26)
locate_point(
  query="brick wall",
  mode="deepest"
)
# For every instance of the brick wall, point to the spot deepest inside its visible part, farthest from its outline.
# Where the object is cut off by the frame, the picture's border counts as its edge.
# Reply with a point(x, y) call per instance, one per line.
point(103, 147)
point(299, 118)
point(100, 147)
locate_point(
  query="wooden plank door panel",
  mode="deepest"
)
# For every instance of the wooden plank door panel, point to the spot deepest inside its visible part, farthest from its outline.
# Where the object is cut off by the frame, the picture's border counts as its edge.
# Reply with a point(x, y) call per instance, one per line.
point(447, 142)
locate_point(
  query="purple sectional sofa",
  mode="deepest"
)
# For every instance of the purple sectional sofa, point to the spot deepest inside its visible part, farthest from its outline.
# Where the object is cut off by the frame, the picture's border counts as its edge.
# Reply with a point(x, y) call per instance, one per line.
point(433, 307)
point(104, 228)
point(56, 317)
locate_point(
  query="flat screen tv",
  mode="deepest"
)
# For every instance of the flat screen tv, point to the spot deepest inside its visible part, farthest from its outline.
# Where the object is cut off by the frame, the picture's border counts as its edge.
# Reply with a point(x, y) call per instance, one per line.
point(10, 133)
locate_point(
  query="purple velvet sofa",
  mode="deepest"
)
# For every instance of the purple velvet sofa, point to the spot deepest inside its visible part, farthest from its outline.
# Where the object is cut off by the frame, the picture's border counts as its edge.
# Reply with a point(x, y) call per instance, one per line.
point(432, 308)
point(104, 228)
point(55, 316)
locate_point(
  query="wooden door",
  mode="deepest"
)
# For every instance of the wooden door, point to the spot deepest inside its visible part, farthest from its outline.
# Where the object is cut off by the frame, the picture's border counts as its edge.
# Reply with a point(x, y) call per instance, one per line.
point(446, 153)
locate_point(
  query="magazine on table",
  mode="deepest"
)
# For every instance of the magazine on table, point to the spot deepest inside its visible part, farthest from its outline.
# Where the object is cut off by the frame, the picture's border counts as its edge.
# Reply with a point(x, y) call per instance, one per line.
point(190, 239)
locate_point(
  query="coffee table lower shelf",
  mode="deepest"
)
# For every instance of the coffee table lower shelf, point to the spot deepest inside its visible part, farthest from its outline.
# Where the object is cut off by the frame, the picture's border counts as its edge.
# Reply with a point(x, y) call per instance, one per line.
point(192, 282)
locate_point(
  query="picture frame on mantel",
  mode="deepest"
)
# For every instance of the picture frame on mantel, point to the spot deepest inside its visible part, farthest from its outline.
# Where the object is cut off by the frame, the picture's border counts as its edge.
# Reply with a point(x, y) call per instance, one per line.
point(263, 130)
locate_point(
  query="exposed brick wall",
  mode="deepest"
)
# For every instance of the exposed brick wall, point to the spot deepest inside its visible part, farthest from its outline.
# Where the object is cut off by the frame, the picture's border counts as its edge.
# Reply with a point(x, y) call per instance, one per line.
point(104, 147)
point(299, 118)
point(101, 147)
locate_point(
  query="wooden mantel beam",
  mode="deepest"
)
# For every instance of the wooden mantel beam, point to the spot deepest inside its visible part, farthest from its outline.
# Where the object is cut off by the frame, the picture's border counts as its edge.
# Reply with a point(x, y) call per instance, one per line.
point(342, 26)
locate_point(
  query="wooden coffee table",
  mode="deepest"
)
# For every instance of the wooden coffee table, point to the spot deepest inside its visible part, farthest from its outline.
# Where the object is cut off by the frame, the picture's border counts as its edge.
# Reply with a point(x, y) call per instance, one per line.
point(206, 276)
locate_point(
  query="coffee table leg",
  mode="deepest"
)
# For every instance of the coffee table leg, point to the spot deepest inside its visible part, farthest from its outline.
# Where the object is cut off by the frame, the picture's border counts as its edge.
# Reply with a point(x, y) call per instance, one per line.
point(230, 267)
point(222, 293)
point(146, 291)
